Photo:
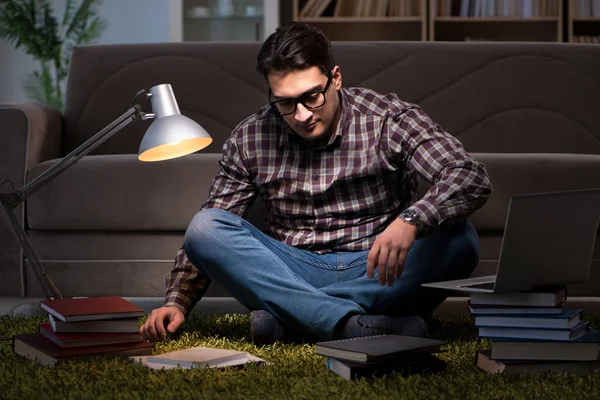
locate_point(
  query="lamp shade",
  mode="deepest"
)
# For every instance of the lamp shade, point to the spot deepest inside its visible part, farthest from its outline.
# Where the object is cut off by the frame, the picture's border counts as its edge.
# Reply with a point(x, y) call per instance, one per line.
point(171, 134)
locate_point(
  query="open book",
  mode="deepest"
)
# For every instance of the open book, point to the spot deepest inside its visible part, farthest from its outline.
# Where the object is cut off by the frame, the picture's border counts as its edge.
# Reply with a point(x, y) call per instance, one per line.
point(198, 357)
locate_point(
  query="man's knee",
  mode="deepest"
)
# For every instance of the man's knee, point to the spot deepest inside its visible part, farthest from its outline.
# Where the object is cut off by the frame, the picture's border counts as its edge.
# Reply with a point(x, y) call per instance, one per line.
point(204, 227)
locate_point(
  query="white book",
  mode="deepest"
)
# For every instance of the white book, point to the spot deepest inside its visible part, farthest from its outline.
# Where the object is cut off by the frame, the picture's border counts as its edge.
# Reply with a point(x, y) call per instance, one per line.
point(197, 357)
point(157, 365)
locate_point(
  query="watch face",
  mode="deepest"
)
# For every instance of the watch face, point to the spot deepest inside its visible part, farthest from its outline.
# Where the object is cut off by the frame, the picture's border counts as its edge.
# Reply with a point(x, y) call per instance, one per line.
point(409, 215)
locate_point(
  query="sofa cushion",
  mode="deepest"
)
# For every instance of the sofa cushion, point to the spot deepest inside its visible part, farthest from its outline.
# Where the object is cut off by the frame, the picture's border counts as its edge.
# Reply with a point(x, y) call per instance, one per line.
point(118, 192)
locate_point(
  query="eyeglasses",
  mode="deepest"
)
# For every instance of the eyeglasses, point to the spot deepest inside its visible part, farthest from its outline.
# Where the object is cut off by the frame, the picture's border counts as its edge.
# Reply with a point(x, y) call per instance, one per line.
point(311, 100)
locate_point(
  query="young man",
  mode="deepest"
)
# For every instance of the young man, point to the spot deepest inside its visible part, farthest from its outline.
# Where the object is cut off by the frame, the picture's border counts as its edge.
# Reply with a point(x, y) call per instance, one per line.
point(338, 170)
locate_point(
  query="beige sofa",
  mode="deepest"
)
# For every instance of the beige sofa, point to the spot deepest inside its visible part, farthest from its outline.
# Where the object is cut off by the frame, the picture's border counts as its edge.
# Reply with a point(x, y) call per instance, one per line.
point(111, 225)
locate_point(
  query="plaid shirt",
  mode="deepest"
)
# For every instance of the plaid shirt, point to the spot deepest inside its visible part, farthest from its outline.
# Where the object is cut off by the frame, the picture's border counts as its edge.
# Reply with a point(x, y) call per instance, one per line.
point(340, 195)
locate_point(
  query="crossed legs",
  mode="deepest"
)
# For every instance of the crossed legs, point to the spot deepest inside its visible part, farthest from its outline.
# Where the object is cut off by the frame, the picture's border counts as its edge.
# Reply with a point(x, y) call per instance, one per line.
point(312, 293)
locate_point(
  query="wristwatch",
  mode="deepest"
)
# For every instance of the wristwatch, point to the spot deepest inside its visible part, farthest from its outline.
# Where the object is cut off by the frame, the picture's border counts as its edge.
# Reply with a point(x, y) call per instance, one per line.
point(411, 217)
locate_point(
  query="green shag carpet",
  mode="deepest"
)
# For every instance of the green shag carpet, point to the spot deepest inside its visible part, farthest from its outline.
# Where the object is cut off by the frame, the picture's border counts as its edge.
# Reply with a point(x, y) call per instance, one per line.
point(294, 372)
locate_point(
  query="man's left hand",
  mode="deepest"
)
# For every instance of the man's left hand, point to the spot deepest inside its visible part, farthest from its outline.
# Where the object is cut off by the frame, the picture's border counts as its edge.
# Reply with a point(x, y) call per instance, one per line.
point(389, 251)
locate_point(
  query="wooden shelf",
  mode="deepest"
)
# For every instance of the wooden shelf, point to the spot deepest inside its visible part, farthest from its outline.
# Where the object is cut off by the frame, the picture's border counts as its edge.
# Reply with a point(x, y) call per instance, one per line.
point(582, 26)
point(495, 19)
point(368, 28)
point(235, 18)
point(434, 27)
point(343, 20)
point(494, 27)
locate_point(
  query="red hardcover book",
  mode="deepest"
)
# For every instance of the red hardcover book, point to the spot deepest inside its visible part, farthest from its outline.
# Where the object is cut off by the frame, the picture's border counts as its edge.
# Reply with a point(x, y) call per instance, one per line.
point(87, 339)
point(91, 308)
point(34, 346)
point(121, 325)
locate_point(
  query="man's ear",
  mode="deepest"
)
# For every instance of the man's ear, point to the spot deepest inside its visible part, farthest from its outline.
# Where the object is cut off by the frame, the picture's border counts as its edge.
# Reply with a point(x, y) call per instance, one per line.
point(336, 77)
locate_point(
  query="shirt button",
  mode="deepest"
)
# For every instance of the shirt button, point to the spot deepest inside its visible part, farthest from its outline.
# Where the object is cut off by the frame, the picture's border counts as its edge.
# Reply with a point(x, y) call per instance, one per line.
point(315, 177)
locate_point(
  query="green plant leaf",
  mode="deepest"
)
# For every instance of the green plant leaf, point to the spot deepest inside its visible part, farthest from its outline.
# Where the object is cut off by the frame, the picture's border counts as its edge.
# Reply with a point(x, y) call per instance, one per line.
point(69, 7)
point(32, 25)
point(85, 12)
point(34, 88)
point(40, 86)
point(94, 31)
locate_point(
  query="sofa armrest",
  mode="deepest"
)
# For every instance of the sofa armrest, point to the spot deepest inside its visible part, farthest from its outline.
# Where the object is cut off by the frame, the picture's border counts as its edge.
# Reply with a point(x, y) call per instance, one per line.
point(29, 134)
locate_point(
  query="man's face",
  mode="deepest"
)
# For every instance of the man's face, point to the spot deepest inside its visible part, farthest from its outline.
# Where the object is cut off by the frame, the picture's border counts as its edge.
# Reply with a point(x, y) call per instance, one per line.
point(311, 120)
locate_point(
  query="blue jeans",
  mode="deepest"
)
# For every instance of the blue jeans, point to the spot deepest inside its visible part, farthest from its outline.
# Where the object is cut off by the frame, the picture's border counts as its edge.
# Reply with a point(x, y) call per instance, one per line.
point(310, 293)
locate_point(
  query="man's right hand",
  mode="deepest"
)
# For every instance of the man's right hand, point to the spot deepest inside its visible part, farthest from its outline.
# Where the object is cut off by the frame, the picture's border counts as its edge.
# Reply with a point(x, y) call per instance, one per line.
point(154, 327)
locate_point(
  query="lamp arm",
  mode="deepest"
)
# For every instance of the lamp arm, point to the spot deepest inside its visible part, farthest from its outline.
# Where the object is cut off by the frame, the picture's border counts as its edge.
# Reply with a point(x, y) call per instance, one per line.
point(9, 201)
point(79, 152)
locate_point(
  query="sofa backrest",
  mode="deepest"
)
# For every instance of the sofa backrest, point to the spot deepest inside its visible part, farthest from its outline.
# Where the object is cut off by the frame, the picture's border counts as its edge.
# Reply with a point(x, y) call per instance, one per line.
point(496, 97)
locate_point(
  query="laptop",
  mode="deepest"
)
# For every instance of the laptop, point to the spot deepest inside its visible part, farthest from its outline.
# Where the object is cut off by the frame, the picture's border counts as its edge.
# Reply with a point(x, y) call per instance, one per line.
point(548, 242)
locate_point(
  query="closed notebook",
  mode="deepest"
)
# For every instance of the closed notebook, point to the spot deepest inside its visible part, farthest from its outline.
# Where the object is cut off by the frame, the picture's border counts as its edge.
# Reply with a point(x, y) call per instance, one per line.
point(199, 357)
point(422, 364)
point(507, 367)
point(120, 325)
point(551, 298)
point(565, 320)
point(91, 308)
point(535, 333)
point(380, 347)
point(87, 339)
point(584, 348)
point(36, 347)
point(516, 310)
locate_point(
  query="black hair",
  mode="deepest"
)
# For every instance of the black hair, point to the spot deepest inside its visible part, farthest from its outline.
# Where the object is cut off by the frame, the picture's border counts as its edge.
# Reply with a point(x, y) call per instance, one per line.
point(295, 46)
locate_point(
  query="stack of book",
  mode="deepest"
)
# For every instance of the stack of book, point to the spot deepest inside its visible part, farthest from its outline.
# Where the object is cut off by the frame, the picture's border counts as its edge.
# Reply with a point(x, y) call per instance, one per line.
point(380, 355)
point(81, 328)
point(532, 332)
